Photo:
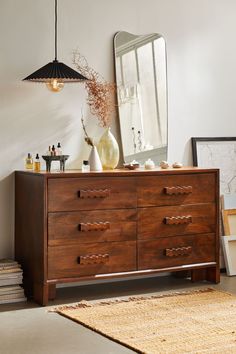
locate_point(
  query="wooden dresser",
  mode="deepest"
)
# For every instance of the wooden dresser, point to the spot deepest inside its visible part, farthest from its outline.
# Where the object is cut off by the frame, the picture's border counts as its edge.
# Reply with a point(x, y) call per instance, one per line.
point(76, 226)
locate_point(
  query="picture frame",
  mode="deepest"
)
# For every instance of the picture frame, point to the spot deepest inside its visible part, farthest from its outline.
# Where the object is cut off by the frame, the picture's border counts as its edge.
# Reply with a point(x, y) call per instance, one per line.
point(229, 251)
point(228, 201)
point(217, 152)
point(229, 221)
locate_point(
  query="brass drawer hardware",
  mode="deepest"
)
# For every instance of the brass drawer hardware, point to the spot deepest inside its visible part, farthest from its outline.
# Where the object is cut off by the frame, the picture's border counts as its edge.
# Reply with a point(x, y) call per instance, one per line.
point(180, 251)
point(94, 193)
point(93, 259)
point(175, 190)
point(177, 220)
point(96, 226)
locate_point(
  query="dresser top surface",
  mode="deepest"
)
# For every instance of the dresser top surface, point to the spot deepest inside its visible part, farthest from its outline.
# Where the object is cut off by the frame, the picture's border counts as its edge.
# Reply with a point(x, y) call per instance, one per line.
point(120, 172)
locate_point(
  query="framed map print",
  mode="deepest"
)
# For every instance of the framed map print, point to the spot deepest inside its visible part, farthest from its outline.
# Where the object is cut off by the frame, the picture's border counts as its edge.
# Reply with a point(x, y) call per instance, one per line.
point(217, 153)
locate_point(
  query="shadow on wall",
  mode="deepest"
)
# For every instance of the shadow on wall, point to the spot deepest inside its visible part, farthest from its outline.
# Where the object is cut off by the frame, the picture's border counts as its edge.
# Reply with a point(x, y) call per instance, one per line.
point(31, 119)
point(7, 216)
point(187, 157)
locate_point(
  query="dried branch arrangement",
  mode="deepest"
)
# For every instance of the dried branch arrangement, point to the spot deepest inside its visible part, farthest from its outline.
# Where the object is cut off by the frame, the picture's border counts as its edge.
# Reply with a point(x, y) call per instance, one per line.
point(100, 92)
point(88, 140)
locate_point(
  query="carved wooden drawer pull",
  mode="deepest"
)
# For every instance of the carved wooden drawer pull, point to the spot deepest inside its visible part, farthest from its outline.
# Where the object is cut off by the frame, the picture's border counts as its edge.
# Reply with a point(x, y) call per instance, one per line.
point(93, 259)
point(94, 193)
point(177, 220)
point(178, 190)
point(96, 226)
point(180, 251)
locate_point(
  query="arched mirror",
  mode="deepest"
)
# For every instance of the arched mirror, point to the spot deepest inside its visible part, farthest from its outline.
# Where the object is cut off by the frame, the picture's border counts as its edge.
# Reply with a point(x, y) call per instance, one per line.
point(140, 63)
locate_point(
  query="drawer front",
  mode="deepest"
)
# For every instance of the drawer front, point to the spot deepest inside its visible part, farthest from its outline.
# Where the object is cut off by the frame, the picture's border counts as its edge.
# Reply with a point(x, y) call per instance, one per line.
point(91, 226)
point(175, 190)
point(68, 194)
point(176, 251)
point(176, 220)
point(91, 259)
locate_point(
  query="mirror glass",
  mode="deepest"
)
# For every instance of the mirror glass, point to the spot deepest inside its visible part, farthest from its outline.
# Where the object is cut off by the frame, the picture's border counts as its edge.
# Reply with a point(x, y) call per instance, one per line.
point(140, 63)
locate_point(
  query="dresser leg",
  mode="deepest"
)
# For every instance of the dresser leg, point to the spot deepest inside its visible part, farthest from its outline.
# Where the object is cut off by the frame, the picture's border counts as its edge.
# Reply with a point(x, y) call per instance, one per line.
point(210, 274)
point(41, 293)
point(51, 291)
point(213, 274)
point(198, 275)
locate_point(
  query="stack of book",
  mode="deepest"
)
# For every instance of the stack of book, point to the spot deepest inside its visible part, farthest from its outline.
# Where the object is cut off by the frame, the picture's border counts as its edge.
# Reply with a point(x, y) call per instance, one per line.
point(11, 276)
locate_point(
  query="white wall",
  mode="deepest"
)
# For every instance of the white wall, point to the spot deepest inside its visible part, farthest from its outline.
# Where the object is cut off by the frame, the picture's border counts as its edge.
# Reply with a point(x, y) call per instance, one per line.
point(201, 47)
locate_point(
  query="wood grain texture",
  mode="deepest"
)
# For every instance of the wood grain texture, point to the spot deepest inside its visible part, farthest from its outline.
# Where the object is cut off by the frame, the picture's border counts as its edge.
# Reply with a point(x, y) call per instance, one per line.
point(211, 274)
point(93, 193)
point(133, 273)
point(123, 172)
point(177, 220)
point(63, 193)
point(31, 233)
point(226, 216)
point(179, 251)
point(63, 260)
point(175, 190)
point(152, 221)
point(94, 258)
point(63, 227)
point(152, 254)
point(94, 226)
point(77, 226)
point(151, 190)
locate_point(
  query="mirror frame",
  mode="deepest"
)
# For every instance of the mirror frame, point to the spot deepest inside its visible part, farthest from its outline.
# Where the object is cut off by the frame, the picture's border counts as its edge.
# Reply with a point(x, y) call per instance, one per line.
point(156, 154)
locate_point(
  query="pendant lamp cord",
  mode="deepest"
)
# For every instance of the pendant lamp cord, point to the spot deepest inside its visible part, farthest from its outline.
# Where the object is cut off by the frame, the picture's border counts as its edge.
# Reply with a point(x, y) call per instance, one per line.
point(55, 29)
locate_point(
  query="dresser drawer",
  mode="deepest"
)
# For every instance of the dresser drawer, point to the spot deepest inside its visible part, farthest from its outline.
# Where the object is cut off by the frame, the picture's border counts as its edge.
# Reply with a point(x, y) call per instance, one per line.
point(176, 251)
point(176, 189)
point(92, 226)
point(90, 259)
point(176, 220)
point(68, 194)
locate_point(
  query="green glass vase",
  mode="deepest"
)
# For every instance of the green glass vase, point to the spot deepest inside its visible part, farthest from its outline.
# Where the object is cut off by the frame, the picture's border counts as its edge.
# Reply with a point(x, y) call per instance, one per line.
point(108, 150)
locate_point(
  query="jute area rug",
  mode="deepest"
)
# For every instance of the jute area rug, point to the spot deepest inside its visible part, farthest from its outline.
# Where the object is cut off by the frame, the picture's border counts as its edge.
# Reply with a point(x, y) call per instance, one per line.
point(202, 321)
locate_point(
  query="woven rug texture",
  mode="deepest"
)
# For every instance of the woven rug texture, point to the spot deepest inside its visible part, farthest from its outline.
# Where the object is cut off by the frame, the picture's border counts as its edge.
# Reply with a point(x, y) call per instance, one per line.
point(198, 322)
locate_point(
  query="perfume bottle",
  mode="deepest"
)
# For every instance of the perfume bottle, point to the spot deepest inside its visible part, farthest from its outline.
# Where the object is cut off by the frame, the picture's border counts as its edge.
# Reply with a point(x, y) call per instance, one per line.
point(85, 166)
point(53, 152)
point(49, 152)
point(29, 162)
point(37, 163)
point(59, 149)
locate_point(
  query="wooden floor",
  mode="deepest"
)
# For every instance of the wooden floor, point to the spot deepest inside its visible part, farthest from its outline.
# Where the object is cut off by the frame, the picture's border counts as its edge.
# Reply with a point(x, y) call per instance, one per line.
point(30, 329)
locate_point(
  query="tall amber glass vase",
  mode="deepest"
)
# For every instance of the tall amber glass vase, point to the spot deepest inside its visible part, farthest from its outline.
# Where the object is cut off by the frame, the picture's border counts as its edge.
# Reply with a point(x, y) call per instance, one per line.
point(108, 150)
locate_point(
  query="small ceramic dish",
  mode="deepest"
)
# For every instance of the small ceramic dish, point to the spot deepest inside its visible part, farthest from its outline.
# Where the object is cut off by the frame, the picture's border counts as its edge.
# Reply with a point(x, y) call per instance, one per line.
point(131, 166)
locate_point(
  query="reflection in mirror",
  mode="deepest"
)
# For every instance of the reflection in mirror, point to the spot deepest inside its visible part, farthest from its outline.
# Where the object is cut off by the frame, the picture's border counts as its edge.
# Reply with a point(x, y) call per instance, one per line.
point(142, 95)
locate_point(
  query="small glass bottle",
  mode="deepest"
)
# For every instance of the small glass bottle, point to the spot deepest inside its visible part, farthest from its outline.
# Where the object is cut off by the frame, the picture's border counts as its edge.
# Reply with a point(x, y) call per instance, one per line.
point(85, 166)
point(29, 163)
point(59, 149)
point(53, 152)
point(37, 163)
point(49, 152)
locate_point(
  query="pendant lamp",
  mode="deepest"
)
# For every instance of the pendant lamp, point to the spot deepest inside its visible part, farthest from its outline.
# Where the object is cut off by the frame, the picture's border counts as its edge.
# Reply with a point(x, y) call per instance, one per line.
point(55, 73)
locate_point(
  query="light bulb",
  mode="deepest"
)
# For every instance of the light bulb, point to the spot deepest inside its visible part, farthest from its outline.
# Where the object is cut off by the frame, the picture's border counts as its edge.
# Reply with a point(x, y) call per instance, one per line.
point(55, 85)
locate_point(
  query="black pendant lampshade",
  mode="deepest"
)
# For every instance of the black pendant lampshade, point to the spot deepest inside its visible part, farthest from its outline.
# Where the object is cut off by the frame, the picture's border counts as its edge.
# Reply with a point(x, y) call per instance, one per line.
point(53, 70)
point(55, 73)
